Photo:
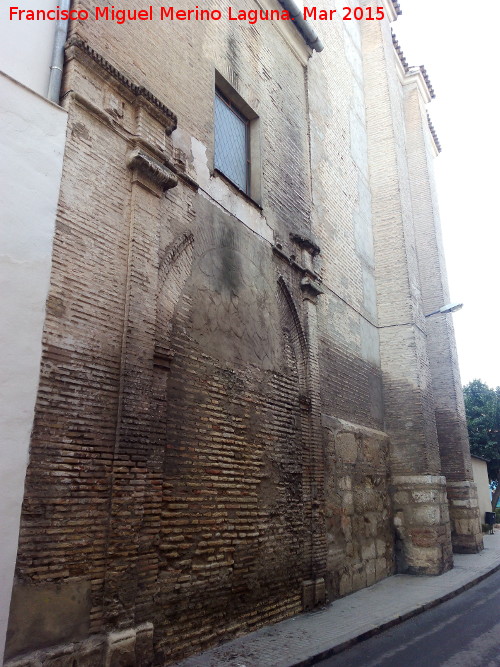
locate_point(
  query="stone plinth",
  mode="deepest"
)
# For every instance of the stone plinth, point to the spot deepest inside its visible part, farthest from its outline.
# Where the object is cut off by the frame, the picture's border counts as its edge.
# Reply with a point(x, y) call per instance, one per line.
point(421, 519)
point(466, 534)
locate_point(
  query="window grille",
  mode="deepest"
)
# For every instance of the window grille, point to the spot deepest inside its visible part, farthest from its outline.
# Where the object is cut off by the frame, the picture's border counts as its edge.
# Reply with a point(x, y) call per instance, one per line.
point(231, 143)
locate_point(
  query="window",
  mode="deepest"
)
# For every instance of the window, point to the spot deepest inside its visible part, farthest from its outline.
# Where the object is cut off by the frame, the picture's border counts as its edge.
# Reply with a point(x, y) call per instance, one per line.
point(232, 142)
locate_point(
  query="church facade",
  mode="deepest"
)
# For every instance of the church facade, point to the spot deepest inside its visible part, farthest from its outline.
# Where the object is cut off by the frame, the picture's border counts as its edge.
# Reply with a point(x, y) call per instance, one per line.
point(243, 411)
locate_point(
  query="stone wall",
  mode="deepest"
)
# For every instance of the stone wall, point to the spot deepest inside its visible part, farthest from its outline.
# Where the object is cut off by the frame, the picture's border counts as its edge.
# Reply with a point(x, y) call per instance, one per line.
point(358, 510)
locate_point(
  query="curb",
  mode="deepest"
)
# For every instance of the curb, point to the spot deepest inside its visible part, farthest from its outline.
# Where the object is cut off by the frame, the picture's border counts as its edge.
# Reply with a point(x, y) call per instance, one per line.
point(339, 648)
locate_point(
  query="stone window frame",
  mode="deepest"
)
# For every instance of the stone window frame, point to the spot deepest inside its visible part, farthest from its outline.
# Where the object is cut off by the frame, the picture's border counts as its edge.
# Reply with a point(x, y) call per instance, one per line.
point(225, 91)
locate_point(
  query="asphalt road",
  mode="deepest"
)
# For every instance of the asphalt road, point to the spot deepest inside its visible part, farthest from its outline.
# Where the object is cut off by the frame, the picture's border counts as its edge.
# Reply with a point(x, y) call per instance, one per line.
point(463, 632)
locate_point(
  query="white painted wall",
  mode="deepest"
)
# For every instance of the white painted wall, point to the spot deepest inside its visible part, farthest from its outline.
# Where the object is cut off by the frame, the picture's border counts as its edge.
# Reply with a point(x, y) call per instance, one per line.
point(480, 474)
point(31, 156)
point(26, 46)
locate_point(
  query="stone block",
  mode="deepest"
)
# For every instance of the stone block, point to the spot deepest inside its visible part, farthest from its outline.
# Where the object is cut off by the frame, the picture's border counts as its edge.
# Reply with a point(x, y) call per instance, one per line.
point(31, 661)
point(319, 591)
point(61, 657)
point(359, 580)
point(380, 568)
point(144, 652)
point(368, 552)
point(121, 649)
point(308, 595)
point(348, 502)
point(46, 615)
point(425, 496)
point(423, 537)
point(371, 577)
point(345, 483)
point(401, 498)
point(374, 450)
point(371, 525)
point(346, 447)
point(346, 527)
point(91, 653)
point(424, 515)
point(345, 586)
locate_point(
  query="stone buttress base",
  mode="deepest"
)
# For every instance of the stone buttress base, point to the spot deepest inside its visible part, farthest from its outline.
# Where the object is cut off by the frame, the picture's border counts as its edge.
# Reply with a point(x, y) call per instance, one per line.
point(466, 533)
point(421, 519)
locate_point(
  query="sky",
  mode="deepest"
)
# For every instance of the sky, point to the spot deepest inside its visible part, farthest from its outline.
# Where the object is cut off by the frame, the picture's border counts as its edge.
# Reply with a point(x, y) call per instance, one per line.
point(458, 42)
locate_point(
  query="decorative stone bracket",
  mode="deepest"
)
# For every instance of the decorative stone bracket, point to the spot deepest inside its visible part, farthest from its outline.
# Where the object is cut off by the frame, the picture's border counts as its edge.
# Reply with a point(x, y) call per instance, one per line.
point(306, 244)
point(310, 288)
point(303, 262)
point(151, 173)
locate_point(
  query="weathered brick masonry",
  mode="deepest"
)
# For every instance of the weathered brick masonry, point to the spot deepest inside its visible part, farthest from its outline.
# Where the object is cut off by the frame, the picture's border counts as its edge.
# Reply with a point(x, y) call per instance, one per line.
point(242, 410)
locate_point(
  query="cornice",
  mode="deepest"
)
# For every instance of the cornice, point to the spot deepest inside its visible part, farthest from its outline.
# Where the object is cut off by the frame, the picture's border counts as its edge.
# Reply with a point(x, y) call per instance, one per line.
point(408, 73)
point(79, 49)
point(392, 9)
point(427, 82)
point(434, 135)
point(399, 52)
point(397, 7)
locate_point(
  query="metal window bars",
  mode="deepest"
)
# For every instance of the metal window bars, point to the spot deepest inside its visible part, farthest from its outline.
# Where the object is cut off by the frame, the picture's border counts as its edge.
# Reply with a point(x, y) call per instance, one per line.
point(232, 147)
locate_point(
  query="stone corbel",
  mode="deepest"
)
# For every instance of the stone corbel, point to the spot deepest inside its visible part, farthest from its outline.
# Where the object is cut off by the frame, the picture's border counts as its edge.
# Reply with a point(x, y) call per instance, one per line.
point(308, 250)
point(306, 244)
point(150, 173)
point(310, 289)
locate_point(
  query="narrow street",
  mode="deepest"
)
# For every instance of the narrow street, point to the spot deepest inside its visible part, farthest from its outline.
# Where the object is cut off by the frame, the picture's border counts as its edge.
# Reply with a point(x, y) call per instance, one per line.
point(463, 632)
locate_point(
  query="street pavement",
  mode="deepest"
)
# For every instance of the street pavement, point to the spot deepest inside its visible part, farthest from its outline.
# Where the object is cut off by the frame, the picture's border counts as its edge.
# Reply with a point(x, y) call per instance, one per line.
point(462, 632)
point(308, 638)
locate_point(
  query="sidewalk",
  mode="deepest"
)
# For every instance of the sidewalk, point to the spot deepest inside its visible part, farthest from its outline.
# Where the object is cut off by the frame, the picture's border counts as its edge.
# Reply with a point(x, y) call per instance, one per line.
point(309, 637)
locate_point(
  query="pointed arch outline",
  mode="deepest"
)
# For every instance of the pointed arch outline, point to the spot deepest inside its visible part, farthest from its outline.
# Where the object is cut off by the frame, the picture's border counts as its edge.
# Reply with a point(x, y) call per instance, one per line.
point(177, 259)
point(172, 253)
point(298, 340)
